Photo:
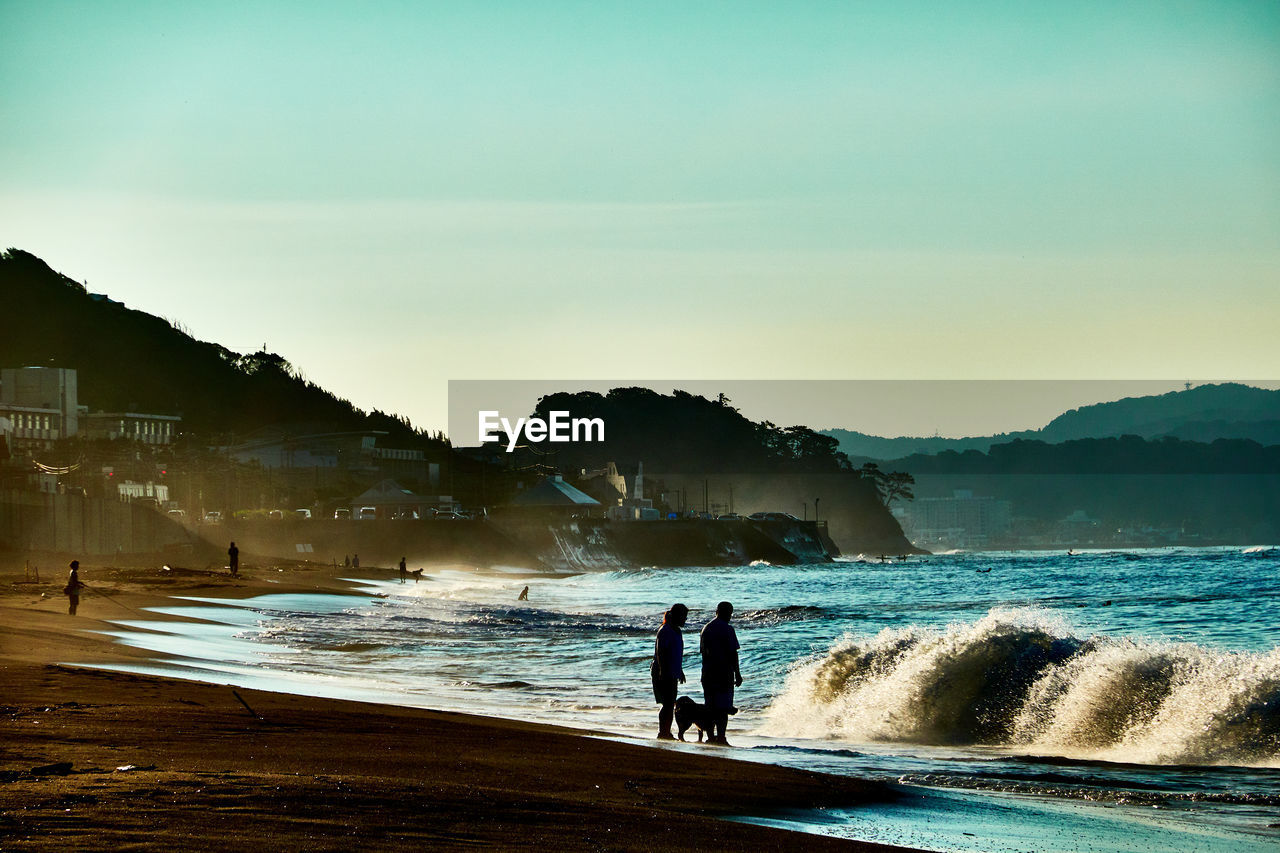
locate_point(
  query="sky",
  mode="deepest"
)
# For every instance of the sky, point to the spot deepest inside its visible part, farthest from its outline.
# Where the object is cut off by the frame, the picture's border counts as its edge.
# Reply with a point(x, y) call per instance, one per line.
point(396, 195)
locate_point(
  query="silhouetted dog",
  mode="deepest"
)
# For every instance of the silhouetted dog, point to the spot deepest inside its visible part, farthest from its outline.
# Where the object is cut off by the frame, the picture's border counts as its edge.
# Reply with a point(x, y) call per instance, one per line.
point(690, 713)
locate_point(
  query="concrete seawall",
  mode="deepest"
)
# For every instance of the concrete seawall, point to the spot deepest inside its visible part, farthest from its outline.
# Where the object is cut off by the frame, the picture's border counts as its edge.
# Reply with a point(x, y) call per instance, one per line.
point(32, 521)
point(593, 543)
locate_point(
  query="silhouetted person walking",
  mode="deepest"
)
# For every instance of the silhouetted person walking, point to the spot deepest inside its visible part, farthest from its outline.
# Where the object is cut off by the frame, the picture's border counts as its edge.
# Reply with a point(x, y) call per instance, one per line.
point(667, 668)
point(73, 587)
point(233, 554)
point(720, 672)
point(404, 570)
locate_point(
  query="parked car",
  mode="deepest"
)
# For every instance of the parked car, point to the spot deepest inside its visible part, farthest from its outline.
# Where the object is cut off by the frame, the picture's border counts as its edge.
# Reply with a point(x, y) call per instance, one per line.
point(368, 513)
point(772, 516)
point(177, 514)
point(276, 515)
point(447, 515)
point(729, 516)
point(302, 513)
point(342, 513)
point(213, 517)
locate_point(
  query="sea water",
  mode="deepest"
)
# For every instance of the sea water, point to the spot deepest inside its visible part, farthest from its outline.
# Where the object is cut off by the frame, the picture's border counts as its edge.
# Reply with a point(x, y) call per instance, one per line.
point(1108, 700)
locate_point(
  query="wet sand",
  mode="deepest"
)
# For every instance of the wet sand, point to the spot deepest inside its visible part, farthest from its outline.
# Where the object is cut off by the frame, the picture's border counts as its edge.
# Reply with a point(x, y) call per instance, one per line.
point(98, 759)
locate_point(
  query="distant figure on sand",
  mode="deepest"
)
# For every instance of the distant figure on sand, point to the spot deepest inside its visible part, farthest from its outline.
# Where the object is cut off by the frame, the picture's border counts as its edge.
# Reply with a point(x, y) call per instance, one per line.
point(72, 589)
point(355, 561)
point(233, 554)
point(667, 669)
point(346, 561)
point(404, 570)
point(524, 594)
point(720, 672)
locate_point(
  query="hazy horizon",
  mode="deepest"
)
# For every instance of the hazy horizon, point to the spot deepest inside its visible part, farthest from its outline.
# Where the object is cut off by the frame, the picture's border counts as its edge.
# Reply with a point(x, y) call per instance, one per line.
point(885, 408)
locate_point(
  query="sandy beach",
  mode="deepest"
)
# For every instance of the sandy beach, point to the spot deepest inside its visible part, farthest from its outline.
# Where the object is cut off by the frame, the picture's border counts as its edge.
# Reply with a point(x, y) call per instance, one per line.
point(92, 758)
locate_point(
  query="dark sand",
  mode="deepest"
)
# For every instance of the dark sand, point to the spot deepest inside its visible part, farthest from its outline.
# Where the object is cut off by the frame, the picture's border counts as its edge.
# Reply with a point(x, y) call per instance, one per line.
point(301, 773)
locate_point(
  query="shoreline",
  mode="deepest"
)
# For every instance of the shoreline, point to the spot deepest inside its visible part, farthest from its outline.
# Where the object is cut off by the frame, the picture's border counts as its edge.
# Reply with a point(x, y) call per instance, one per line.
point(249, 768)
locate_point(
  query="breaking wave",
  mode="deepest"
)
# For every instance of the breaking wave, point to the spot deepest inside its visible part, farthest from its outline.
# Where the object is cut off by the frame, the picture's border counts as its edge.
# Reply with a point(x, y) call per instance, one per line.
point(1020, 679)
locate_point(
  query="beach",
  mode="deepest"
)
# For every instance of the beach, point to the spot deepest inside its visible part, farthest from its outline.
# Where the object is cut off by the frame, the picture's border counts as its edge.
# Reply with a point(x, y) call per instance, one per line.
point(93, 758)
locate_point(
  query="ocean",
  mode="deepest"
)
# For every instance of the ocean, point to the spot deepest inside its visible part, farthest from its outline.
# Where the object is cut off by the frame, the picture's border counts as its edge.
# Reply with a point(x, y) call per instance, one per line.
point(1106, 700)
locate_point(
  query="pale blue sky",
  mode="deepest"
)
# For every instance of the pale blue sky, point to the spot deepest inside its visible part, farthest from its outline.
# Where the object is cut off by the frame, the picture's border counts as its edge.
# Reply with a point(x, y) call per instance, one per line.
point(394, 195)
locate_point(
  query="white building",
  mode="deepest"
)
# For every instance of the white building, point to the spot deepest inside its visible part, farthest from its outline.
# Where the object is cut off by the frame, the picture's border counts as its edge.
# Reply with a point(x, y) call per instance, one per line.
point(40, 405)
point(148, 429)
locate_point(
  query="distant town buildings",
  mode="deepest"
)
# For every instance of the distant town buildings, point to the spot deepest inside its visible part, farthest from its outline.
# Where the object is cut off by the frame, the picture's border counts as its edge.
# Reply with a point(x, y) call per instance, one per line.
point(40, 405)
point(354, 451)
point(960, 521)
point(637, 507)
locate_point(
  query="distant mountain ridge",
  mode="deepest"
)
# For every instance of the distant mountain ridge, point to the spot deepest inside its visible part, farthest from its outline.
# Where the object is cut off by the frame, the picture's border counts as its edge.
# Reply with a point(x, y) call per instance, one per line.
point(1236, 408)
point(1205, 413)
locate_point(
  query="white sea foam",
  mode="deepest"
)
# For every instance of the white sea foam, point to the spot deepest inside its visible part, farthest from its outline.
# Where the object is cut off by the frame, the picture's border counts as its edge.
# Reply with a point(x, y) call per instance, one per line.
point(1021, 679)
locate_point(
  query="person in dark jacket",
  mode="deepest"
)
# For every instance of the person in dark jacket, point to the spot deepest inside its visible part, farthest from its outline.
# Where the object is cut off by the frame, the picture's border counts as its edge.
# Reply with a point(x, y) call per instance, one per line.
point(720, 672)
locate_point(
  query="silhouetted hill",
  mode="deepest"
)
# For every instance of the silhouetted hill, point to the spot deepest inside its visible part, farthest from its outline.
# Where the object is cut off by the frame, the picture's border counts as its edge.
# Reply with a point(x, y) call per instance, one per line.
point(686, 432)
point(128, 360)
point(859, 446)
point(1204, 414)
point(1129, 454)
point(1232, 407)
point(709, 454)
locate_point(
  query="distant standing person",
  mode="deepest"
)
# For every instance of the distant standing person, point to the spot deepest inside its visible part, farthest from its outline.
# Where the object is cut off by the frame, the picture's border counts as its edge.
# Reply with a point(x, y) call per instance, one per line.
point(233, 554)
point(73, 587)
point(720, 672)
point(667, 668)
point(404, 570)
point(355, 561)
